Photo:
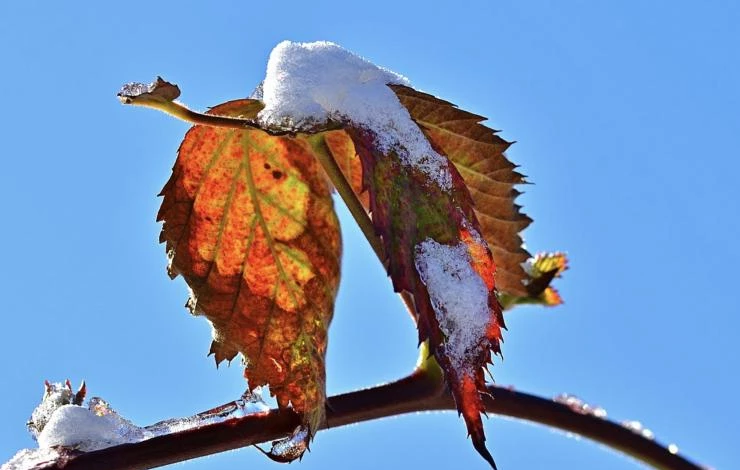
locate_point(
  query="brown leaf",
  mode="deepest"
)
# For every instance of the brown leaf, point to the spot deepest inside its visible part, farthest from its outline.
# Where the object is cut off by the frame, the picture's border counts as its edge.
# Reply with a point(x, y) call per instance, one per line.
point(158, 90)
point(249, 223)
point(478, 153)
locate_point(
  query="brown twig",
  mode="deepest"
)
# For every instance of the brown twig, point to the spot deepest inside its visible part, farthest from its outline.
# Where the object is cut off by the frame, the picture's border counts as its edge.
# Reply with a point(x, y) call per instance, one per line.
point(415, 393)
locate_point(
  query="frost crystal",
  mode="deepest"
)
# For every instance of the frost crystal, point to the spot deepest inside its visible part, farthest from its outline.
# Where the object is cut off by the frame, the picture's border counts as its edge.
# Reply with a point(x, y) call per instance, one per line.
point(290, 448)
point(459, 297)
point(293, 446)
point(250, 403)
point(311, 83)
point(637, 428)
point(579, 406)
point(26, 459)
point(135, 89)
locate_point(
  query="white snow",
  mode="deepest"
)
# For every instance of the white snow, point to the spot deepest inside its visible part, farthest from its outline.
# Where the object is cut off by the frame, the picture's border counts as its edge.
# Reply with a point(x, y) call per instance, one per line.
point(78, 427)
point(459, 297)
point(55, 395)
point(99, 426)
point(310, 83)
point(57, 422)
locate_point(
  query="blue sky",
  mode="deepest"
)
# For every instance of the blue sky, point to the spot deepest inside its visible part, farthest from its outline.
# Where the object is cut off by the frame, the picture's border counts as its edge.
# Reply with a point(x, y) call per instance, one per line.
point(626, 117)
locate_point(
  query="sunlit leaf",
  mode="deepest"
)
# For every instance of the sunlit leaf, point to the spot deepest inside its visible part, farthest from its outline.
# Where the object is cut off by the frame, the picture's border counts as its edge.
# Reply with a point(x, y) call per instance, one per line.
point(249, 223)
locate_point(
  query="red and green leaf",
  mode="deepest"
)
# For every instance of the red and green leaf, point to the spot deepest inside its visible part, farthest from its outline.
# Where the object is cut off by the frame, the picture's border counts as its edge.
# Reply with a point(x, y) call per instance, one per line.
point(408, 208)
point(478, 153)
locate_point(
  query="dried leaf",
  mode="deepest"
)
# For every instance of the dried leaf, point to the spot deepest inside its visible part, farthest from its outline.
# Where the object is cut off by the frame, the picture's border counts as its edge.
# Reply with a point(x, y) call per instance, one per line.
point(249, 223)
point(158, 90)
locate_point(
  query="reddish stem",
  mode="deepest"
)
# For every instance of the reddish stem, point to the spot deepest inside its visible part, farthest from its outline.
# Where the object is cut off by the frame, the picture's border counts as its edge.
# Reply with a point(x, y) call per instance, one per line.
point(418, 392)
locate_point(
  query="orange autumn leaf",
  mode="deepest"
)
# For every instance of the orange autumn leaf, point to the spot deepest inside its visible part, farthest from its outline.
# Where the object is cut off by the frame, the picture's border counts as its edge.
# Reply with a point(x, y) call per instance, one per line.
point(250, 225)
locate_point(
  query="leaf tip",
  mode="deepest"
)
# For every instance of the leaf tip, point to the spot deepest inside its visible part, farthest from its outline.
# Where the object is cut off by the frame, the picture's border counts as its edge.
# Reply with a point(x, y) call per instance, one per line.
point(480, 447)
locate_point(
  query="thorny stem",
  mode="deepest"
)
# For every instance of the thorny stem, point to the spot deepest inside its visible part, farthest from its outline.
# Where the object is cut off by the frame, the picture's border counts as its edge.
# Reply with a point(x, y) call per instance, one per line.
point(414, 393)
point(421, 391)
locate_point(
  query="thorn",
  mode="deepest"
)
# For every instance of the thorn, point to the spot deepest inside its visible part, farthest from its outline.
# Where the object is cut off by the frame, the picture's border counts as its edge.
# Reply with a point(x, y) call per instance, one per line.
point(480, 446)
point(79, 396)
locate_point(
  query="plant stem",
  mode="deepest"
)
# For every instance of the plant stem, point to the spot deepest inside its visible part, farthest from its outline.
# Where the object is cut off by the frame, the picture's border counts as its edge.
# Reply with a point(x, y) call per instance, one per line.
point(415, 393)
point(359, 213)
point(355, 207)
point(182, 112)
point(322, 154)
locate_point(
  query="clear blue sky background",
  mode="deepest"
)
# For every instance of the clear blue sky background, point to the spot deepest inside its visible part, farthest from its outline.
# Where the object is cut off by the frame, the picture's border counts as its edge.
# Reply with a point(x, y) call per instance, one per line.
point(626, 114)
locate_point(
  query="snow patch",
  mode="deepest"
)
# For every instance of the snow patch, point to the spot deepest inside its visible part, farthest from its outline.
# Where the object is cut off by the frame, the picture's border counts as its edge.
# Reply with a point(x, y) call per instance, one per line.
point(458, 295)
point(307, 84)
point(55, 395)
point(78, 427)
point(57, 423)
